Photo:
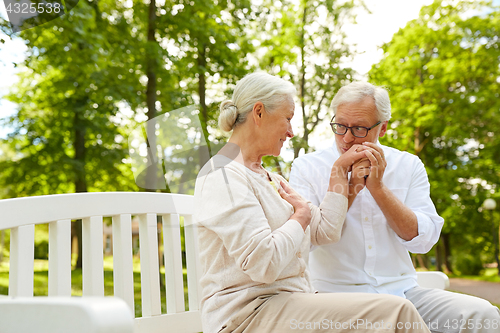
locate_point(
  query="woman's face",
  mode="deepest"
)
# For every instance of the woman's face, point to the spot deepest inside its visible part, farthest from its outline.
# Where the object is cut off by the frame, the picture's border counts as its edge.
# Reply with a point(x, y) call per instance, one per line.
point(276, 127)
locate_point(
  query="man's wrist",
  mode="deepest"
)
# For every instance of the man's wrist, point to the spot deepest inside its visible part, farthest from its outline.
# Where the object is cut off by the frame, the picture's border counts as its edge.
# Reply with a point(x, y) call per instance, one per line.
point(377, 190)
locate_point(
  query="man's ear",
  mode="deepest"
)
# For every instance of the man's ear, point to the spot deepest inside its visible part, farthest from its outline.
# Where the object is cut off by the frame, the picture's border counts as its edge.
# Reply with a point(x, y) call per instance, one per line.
point(383, 128)
point(257, 111)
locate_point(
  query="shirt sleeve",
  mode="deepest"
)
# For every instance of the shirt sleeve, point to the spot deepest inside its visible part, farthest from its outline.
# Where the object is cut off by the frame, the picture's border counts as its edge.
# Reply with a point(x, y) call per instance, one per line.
point(327, 217)
point(226, 204)
point(419, 201)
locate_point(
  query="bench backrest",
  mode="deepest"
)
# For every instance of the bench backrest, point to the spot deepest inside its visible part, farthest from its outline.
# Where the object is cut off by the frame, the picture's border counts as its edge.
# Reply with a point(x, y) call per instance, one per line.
point(20, 215)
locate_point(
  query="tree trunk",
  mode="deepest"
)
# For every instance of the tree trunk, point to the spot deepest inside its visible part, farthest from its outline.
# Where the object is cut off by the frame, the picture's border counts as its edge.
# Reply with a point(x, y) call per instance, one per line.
point(497, 243)
point(496, 236)
point(421, 261)
point(80, 181)
point(302, 142)
point(439, 256)
point(153, 172)
point(151, 62)
point(447, 252)
point(202, 88)
point(202, 64)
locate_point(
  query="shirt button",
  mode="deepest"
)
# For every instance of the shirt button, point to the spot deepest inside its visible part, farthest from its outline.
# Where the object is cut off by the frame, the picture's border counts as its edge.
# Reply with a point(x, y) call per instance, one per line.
point(366, 218)
point(299, 254)
point(302, 274)
point(369, 247)
point(370, 274)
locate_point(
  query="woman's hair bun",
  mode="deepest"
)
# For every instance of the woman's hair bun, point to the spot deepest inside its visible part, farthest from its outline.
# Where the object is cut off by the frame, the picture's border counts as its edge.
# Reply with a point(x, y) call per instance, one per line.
point(228, 115)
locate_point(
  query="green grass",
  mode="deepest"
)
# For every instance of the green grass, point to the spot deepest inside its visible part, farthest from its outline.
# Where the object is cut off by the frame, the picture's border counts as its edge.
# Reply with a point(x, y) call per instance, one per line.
point(488, 274)
point(40, 285)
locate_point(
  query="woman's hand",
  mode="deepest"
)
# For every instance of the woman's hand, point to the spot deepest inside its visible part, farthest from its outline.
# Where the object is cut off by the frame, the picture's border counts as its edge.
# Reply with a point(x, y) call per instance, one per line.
point(302, 212)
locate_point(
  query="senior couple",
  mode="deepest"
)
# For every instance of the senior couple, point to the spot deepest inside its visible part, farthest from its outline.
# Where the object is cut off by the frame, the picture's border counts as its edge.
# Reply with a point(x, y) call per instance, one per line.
point(358, 205)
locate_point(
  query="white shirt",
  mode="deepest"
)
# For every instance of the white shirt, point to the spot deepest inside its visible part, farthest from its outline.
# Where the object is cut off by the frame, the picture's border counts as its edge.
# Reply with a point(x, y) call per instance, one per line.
point(370, 257)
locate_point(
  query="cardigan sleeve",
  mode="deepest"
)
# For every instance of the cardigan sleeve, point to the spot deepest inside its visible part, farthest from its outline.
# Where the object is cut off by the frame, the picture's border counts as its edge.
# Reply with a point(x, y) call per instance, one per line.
point(227, 205)
point(327, 219)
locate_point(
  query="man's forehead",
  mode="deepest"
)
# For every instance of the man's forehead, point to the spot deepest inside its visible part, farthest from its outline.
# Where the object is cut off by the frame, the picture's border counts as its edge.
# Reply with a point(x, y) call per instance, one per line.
point(360, 112)
point(354, 119)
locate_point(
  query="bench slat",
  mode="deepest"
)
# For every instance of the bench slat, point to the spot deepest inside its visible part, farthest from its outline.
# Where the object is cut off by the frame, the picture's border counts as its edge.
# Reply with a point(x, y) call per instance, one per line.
point(123, 274)
point(93, 272)
point(173, 263)
point(59, 210)
point(60, 258)
point(192, 263)
point(22, 251)
point(150, 270)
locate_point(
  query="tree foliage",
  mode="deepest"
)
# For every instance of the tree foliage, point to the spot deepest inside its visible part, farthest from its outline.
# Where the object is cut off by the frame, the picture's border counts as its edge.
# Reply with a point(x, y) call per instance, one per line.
point(303, 41)
point(442, 71)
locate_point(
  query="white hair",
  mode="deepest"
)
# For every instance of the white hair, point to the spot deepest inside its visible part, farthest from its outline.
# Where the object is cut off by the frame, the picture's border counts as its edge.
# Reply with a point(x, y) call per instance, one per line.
point(270, 90)
point(356, 91)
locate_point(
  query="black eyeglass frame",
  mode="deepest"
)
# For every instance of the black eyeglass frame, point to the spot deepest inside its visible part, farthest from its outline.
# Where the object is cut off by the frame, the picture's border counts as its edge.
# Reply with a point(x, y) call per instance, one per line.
point(351, 128)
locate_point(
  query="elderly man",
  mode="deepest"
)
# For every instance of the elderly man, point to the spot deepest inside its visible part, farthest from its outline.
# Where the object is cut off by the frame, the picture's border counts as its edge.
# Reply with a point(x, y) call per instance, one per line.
point(390, 213)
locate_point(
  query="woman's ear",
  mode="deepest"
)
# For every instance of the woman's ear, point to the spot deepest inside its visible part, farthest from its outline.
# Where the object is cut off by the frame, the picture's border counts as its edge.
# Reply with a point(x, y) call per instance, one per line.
point(257, 111)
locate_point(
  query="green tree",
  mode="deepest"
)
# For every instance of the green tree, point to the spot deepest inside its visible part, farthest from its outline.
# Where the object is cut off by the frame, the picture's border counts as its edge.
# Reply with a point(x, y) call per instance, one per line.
point(303, 41)
point(442, 71)
point(67, 137)
point(212, 37)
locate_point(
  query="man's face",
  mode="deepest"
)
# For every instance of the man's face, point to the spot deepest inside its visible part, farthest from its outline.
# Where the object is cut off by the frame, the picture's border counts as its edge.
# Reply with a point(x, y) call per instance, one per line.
point(363, 113)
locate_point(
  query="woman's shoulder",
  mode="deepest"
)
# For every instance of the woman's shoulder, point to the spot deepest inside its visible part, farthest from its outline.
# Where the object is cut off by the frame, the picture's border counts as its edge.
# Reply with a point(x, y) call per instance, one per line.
point(220, 188)
point(219, 174)
point(221, 164)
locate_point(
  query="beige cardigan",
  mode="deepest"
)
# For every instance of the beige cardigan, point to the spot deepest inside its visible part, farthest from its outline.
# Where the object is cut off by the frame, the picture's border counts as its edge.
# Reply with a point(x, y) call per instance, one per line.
point(248, 245)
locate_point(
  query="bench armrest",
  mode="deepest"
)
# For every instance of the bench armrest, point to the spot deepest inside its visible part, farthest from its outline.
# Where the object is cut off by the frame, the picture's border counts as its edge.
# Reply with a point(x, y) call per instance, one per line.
point(65, 314)
point(437, 280)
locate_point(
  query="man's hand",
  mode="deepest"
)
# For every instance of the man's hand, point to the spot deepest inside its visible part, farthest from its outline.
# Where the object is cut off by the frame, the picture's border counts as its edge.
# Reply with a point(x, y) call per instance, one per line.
point(359, 173)
point(346, 161)
point(375, 155)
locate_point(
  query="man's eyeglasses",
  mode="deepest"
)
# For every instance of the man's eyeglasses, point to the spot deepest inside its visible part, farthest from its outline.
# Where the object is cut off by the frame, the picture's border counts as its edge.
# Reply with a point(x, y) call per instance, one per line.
point(357, 131)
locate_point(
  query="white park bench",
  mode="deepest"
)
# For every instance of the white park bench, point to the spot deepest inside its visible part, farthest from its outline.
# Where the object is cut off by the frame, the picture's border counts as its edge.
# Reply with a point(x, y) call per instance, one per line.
point(20, 312)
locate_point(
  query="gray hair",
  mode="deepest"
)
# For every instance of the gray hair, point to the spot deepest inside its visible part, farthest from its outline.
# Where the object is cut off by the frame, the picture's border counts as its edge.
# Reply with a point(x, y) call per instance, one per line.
point(272, 91)
point(356, 91)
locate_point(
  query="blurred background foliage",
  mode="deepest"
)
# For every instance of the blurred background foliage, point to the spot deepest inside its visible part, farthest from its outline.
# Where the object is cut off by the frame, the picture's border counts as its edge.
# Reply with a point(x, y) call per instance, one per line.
point(90, 77)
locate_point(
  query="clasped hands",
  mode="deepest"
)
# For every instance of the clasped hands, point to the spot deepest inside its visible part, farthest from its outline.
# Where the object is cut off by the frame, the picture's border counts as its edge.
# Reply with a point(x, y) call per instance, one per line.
point(367, 164)
point(362, 160)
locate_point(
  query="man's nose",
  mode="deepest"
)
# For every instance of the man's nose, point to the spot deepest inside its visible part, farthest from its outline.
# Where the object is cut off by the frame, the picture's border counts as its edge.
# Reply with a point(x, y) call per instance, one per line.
point(289, 132)
point(348, 137)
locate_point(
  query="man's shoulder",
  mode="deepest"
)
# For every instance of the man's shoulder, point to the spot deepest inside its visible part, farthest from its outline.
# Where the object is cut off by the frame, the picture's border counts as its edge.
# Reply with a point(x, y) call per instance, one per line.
point(395, 153)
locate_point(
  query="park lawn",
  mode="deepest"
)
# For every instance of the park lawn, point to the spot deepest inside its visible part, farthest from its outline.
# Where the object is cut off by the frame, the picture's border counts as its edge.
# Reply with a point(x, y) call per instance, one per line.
point(40, 287)
point(488, 274)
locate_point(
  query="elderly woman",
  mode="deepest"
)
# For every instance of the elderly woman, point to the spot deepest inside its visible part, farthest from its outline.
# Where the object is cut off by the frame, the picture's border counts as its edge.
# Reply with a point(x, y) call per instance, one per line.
point(255, 231)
